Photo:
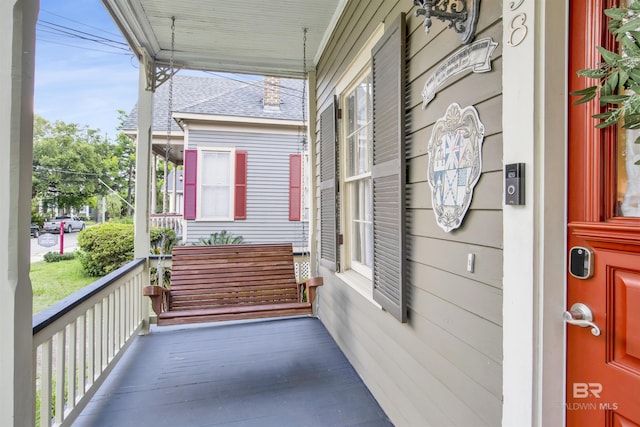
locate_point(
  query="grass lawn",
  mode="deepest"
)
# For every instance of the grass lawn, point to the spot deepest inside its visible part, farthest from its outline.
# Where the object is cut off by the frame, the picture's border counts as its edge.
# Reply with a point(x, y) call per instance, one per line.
point(53, 281)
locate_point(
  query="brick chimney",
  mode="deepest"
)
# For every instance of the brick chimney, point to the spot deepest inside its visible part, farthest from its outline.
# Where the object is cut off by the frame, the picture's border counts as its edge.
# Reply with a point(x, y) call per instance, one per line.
point(271, 98)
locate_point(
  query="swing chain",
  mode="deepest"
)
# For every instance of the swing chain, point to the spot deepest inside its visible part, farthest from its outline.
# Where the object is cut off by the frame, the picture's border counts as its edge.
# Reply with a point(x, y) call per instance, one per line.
point(160, 270)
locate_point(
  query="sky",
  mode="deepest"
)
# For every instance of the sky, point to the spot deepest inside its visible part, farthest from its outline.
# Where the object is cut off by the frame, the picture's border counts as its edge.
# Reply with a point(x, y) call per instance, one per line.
point(85, 72)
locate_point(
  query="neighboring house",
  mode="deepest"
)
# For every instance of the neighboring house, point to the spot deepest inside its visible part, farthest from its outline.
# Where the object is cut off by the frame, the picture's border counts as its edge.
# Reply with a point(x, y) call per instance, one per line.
point(243, 146)
point(177, 202)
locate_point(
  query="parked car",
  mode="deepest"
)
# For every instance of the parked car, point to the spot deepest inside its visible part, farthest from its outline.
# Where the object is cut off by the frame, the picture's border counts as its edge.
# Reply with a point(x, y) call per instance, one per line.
point(35, 230)
point(71, 223)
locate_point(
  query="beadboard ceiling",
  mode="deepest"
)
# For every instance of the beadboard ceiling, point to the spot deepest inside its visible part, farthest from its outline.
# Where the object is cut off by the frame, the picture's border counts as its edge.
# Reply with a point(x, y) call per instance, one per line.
point(229, 36)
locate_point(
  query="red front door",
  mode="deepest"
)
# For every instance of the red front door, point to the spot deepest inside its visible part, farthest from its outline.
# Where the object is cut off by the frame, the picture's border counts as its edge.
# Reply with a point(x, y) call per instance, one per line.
point(603, 359)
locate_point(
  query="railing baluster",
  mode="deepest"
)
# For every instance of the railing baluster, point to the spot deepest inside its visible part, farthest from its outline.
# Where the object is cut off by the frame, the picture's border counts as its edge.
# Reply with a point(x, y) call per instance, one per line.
point(60, 370)
point(123, 314)
point(105, 334)
point(111, 333)
point(46, 378)
point(91, 346)
point(82, 355)
point(72, 343)
point(117, 333)
point(99, 340)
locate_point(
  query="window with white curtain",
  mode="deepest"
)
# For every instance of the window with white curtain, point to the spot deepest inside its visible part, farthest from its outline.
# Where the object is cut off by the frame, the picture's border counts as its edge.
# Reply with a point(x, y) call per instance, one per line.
point(215, 170)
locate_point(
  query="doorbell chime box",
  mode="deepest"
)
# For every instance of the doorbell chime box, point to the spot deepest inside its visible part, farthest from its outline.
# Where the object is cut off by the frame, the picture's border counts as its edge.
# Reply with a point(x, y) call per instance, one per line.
point(514, 184)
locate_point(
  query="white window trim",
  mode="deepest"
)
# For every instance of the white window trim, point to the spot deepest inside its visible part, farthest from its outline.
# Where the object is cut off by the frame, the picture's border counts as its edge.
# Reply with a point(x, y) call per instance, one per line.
point(305, 185)
point(358, 69)
point(232, 172)
point(360, 284)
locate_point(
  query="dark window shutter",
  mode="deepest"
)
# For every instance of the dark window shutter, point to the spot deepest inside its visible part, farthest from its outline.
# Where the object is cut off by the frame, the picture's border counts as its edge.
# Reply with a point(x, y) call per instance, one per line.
point(328, 188)
point(388, 172)
point(240, 210)
point(295, 186)
point(190, 183)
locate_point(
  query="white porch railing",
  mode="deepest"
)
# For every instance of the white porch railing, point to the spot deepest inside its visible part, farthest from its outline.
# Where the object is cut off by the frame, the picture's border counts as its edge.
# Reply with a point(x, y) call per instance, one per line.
point(173, 221)
point(77, 341)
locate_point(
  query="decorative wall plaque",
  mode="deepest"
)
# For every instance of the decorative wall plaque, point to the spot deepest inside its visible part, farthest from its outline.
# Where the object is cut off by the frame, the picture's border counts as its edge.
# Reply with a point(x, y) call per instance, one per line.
point(455, 163)
point(476, 57)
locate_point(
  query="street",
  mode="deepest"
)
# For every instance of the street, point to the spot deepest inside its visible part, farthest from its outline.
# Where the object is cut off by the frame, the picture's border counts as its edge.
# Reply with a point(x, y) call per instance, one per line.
point(37, 251)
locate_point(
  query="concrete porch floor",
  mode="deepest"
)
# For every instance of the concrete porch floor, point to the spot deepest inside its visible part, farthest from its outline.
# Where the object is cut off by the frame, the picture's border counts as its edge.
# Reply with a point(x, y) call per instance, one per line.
point(285, 372)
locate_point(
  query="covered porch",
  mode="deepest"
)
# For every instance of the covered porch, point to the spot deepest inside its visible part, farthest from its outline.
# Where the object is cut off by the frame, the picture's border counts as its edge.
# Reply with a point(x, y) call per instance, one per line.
point(265, 373)
point(74, 349)
point(93, 367)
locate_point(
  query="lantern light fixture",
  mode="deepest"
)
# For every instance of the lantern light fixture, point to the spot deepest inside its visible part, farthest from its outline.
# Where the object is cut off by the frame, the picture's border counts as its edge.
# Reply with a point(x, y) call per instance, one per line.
point(461, 14)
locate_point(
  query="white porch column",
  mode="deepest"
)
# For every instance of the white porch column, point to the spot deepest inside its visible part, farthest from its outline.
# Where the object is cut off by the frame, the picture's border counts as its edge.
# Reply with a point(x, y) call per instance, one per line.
point(17, 50)
point(154, 182)
point(143, 159)
point(173, 206)
point(313, 159)
point(534, 115)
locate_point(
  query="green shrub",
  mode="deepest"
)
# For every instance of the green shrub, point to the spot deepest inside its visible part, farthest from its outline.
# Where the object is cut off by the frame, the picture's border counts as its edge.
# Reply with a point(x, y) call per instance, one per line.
point(57, 257)
point(162, 240)
point(122, 220)
point(105, 247)
point(37, 218)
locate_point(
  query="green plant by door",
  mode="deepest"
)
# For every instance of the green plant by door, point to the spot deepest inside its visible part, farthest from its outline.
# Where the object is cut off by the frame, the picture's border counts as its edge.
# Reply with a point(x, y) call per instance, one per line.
point(618, 76)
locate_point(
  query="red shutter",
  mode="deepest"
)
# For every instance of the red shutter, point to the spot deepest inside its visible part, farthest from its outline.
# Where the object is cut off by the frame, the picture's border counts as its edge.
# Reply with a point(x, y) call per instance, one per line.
point(295, 186)
point(190, 183)
point(241, 185)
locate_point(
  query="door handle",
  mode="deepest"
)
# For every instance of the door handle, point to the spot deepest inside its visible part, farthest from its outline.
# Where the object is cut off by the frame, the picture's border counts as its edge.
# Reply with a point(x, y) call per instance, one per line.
point(581, 315)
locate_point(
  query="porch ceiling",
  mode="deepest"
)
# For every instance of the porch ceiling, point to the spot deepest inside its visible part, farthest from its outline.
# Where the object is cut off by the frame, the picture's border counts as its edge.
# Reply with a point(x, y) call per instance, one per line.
point(228, 36)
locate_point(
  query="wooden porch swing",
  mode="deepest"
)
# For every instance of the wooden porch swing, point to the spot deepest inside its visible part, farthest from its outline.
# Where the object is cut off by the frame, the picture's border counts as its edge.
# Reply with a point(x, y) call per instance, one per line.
point(230, 282)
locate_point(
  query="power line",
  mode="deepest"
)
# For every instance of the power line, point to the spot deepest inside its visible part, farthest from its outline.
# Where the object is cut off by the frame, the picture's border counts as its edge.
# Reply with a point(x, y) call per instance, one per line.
point(53, 29)
point(40, 167)
point(82, 47)
point(73, 31)
point(81, 23)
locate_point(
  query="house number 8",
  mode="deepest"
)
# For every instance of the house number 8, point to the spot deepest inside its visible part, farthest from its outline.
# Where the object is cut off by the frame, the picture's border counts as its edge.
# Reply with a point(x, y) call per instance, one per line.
point(517, 30)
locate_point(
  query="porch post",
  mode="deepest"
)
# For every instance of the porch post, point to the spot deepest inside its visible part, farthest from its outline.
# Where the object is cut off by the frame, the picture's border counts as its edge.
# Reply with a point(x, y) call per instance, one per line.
point(17, 50)
point(154, 182)
point(175, 190)
point(534, 132)
point(311, 137)
point(143, 159)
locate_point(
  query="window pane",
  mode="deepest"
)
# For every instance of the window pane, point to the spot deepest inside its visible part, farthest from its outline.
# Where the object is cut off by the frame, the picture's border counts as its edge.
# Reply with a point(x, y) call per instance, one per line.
point(361, 222)
point(351, 156)
point(215, 202)
point(216, 168)
point(351, 105)
point(362, 161)
point(215, 185)
point(628, 173)
point(362, 96)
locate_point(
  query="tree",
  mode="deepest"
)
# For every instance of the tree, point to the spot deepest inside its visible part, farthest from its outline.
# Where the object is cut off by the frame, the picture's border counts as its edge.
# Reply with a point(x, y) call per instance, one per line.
point(68, 163)
point(125, 152)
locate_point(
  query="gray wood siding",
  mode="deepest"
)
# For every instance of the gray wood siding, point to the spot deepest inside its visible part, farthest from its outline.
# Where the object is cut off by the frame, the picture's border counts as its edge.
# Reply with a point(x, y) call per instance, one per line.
point(267, 188)
point(443, 367)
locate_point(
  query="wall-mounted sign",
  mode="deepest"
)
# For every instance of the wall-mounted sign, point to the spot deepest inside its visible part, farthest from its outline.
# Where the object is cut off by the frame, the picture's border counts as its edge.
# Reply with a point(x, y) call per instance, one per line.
point(455, 164)
point(475, 57)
